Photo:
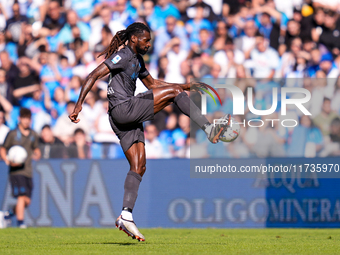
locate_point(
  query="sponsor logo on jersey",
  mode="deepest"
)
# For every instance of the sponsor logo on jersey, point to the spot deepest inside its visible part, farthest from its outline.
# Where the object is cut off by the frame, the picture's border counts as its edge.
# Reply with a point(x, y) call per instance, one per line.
point(110, 91)
point(116, 59)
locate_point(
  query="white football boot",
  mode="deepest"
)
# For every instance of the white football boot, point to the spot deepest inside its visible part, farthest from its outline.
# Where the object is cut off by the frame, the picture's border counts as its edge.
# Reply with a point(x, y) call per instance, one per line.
point(23, 226)
point(3, 222)
point(217, 128)
point(130, 228)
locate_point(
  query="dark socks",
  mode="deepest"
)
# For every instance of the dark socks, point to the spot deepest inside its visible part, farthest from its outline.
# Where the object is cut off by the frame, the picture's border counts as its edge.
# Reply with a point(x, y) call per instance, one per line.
point(131, 187)
point(20, 222)
point(188, 107)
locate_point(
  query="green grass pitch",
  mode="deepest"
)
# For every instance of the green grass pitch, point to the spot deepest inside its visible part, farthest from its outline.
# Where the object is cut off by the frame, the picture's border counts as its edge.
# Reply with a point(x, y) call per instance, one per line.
point(169, 241)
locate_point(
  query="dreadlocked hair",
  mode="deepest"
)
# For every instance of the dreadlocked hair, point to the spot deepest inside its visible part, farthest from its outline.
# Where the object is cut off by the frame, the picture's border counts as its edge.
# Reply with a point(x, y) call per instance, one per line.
point(122, 36)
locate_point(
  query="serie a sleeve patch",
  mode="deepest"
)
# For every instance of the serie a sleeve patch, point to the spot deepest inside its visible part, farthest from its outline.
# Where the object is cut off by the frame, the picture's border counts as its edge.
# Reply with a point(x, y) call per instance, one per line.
point(116, 59)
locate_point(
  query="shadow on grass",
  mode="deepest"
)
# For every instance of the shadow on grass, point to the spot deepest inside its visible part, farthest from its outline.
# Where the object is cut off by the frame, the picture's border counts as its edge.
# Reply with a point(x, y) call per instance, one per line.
point(112, 243)
point(118, 243)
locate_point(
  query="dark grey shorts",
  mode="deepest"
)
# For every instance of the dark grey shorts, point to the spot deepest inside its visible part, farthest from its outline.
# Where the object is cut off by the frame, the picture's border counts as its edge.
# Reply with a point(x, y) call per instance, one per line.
point(21, 185)
point(127, 119)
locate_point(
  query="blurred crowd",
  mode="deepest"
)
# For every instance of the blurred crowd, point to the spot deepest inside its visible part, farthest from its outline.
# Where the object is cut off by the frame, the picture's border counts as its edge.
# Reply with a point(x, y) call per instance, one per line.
point(47, 48)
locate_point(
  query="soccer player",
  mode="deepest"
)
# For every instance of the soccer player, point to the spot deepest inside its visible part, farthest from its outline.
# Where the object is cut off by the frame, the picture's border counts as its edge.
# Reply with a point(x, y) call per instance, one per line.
point(127, 112)
point(20, 175)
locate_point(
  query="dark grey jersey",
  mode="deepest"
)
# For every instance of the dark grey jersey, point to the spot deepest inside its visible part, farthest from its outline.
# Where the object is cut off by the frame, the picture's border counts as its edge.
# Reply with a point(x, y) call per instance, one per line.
point(125, 67)
point(30, 143)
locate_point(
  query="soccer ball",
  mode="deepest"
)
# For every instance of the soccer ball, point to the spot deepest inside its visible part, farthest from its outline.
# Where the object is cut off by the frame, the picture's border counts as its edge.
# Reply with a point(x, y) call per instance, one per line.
point(17, 154)
point(231, 132)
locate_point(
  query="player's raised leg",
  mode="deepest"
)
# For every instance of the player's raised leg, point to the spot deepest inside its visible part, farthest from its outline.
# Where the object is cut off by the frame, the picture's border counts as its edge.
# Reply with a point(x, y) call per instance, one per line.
point(136, 157)
point(166, 95)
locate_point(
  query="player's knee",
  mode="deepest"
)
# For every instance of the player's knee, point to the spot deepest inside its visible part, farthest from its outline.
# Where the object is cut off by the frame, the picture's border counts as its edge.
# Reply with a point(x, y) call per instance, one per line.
point(139, 169)
point(143, 169)
point(27, 202)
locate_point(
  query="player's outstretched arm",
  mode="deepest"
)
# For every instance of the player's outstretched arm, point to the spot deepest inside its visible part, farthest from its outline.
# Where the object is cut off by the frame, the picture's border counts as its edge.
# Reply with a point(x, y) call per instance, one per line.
point(152, 83)
point(98, 73)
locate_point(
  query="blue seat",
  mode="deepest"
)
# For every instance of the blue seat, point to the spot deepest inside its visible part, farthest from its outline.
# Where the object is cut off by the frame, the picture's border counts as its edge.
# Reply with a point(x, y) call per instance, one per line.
point(115, 151)
point(97, 150)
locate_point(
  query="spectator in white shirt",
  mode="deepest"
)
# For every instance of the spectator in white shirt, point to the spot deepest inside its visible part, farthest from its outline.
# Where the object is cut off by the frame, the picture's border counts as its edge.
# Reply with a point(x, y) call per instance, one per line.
point(329, 4)
point(153, 147)
point(246, 43)
point(223, 58)
point(263, 59)
point(64, 129)
point(3, 128)
point(175, 56)
point(104, 133)
point(104, 18)
point(91, 110)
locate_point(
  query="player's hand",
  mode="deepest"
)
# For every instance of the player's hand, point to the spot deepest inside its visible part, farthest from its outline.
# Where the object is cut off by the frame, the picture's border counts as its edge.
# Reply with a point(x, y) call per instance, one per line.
point(6, 161)
point(15, 164)
point(74, 115)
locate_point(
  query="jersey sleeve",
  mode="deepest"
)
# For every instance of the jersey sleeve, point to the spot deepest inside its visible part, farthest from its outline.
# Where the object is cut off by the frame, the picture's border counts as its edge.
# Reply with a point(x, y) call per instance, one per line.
point(8, 140)
point(143, 71)
point(116, 61)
